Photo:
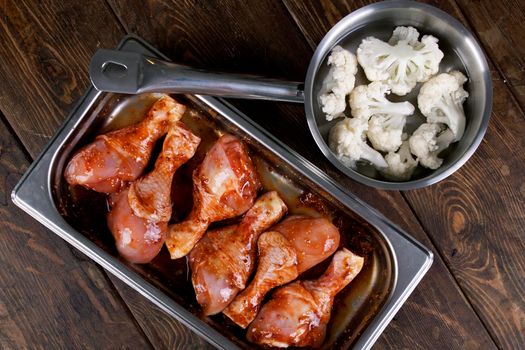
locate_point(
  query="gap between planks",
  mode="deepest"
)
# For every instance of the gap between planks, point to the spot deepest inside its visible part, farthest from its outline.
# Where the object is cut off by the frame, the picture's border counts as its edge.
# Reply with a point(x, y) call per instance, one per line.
point(15, 136)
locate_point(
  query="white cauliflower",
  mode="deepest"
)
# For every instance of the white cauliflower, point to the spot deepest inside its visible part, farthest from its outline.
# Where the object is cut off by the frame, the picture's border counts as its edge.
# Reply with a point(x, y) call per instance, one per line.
point(368, 100)
point(338, 83)
point(347, 140)
point(428, 141)
point(387, 119)
point(401, 165)
point(385, 131)
point(441, 101)
point(403, 61)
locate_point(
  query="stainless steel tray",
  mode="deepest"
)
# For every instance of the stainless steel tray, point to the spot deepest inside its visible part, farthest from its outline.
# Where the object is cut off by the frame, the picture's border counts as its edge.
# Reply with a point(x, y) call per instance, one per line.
point(39, 194)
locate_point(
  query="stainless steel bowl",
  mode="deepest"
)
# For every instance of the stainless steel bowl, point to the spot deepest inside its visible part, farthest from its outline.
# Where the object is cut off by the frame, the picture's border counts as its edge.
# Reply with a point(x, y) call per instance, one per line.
point(462, 52)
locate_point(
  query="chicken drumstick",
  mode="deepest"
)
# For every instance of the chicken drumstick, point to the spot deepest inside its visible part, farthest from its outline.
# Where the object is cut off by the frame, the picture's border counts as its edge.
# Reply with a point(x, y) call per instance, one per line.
point(224, 258)
point(311, 239)
point(297, 314)
point(224, 186)
point(140, 213)
point(277, 266)
point(120, 156)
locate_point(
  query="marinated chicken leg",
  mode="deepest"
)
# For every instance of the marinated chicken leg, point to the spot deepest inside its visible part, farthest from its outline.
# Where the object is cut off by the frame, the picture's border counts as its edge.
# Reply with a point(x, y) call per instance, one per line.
point(277, 266)
point(224, 186)
point(297, 314)
point(311, 239)
point(140, 213)
point(120, 156)
point(223, 260)
point(314, 239)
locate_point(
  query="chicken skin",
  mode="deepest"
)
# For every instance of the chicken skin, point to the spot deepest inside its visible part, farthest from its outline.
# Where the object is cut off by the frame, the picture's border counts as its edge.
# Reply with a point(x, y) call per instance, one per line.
point(118, 157)
point(277, 265)
point(223, 260)
point(314, 239)
point(297, 314)
point(140, 213)
point(311, 239)
point(224, 186)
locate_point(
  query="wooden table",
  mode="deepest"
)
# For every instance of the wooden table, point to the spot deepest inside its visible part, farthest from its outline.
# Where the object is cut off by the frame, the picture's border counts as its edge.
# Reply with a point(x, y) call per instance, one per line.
point(51, 296)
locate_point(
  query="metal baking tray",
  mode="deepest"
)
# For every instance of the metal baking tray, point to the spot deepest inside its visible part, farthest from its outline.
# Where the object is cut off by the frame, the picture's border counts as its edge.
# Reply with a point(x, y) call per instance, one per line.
point(394, 265)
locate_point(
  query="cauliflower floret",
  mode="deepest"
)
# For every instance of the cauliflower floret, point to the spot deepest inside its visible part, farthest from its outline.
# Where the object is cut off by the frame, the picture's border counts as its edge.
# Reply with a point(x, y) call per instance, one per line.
point(401, 165)
point(408, 34)
point(332, 105)
point(428, 141)
point(347, 140)
point(441, 101)
point(385, 131)
point(368, 100)
point(403, 61)
point(338, 83)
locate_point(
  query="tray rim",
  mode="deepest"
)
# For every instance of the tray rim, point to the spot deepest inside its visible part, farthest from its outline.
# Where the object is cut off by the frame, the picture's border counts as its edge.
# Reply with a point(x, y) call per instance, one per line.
point(408, 271)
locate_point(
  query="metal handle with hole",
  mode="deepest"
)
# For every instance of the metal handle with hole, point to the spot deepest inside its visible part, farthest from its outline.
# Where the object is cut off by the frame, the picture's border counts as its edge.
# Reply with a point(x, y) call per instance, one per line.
point(134, 73)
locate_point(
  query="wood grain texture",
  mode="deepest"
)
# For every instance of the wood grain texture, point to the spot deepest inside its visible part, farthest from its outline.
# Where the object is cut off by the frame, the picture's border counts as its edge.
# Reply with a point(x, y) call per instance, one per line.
point(220, 34)
point(162, 330)
point(45, 50)
point(499, 27)
point(431, 318)
point(477, 231)
point(49, 299)
point(45, 53)
point(477, 222)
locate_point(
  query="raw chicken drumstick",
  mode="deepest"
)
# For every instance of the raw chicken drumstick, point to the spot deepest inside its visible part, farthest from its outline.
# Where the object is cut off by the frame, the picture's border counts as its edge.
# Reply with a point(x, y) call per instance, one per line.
point(311, 239)
point(297, 314)
point(277, 265)
point(120, 156)
point(314, 239)
point(223, 260)
point(140, 213)
point(224, 186)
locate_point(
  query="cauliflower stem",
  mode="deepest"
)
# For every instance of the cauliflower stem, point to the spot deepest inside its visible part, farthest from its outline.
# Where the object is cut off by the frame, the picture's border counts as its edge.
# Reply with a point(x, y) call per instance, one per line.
point(368, 100)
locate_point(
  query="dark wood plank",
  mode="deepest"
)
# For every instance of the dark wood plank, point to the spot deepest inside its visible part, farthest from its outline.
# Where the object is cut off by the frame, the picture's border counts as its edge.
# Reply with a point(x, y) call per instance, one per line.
point(220, 35)
point(499, 26)
point(46, 47)
point(433, 316)
point(48, 298)
point(471, 226)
